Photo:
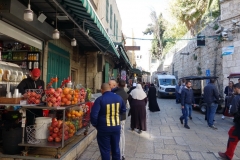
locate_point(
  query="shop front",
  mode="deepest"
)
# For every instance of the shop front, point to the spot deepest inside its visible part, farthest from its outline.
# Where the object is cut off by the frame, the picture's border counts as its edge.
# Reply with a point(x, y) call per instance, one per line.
point(65, 104)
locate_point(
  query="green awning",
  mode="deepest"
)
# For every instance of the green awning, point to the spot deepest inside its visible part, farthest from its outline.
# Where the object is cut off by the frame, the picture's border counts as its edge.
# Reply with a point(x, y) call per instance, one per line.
point(124, 54)
point(136, 71)
point(82, 10)
point(144, 72)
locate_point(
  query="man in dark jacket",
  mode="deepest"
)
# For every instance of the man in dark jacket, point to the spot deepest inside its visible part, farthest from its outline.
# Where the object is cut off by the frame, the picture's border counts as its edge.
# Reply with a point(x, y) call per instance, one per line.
point(32, 82)
point(121, 92)
point(105, 116)
point(234, 132)
point(187, 100)
point(211, 97)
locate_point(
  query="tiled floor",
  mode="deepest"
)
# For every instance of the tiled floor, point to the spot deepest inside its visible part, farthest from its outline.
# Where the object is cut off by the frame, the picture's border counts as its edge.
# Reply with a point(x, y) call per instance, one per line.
point(167, 139)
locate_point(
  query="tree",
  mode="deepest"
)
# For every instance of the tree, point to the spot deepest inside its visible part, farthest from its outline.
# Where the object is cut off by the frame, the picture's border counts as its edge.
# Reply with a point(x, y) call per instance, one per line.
point(190, 11)
point(156, 28)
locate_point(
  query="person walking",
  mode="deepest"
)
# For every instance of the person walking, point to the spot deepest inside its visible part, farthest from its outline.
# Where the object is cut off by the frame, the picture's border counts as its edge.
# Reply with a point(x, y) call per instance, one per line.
point(211, 97)
point(113, 85)
point(180, 92)
point(122, 93)
point(105, 116)
point(138, 100)
point(187, 100)
point(178, 99)
point(228, 92)
point(132, 88)
point(234, 132)
point(152, 99)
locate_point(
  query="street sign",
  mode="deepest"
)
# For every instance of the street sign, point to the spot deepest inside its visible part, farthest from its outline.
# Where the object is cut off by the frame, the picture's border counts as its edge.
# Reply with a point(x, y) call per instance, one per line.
point(208, 73)
point(132, 48)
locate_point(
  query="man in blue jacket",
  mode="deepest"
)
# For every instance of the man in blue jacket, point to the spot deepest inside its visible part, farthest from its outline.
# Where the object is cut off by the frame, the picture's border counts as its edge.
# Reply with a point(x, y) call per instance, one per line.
point(211, 97)
point(105, 116)
point(187, 100)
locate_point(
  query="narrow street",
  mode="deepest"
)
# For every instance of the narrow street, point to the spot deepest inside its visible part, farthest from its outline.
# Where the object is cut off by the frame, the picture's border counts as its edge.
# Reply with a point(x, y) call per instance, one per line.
point(167, 139)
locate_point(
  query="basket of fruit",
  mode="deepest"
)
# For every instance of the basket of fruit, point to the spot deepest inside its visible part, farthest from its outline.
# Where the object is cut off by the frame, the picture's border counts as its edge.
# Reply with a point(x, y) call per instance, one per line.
point(56, 130)
point(34, 96)
point(68, 97)
point(53, 97)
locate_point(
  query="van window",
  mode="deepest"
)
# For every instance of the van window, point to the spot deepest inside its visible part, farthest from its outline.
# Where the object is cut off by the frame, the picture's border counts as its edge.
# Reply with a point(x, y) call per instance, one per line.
point(171, 82)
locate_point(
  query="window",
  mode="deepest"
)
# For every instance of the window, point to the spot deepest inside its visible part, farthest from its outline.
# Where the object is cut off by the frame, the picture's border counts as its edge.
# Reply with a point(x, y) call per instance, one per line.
point(74, 75)
point(114, 25)
point(167, 82)
point(111, 16)
point(107, 8)
point(117, 30)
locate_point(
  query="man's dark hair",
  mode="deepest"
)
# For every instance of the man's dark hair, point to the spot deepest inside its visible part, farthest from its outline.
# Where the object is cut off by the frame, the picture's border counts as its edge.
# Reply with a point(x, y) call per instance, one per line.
point(237, 85)
point(212, 80)
point(183, 80)
point(188, 82)
point(121, 83)
point(143, 82)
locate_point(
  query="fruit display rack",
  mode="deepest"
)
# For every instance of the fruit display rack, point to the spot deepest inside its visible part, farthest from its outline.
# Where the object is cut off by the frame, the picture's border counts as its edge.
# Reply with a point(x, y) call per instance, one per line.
point(45, 143)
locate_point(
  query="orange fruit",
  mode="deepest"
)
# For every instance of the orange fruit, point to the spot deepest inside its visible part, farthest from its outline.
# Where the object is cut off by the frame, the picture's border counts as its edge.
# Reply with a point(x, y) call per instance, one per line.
point(71, 92)
point(66, 91)
point(69, 97)
point(64, 100)
point(69, 115)
point(68, 103)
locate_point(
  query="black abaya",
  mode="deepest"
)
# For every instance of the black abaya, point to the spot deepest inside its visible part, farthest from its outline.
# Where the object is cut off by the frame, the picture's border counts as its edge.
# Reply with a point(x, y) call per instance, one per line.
point(138, 113)
point(152, 98)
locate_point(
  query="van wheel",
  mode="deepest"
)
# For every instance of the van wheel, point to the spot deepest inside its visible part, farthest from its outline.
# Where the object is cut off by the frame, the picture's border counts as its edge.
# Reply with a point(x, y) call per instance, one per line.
point(203, 108)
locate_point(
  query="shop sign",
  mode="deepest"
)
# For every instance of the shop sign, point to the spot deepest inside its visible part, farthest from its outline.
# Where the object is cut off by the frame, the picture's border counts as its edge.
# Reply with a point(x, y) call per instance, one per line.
point(227, 50)
point(123, 75)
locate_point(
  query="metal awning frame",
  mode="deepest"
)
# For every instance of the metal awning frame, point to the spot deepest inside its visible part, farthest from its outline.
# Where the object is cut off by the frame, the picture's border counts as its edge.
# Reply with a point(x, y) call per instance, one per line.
point(111, 48)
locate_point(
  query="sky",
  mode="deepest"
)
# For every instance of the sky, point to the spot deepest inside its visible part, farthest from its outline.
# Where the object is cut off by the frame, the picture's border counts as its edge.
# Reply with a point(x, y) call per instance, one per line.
point(135, 15)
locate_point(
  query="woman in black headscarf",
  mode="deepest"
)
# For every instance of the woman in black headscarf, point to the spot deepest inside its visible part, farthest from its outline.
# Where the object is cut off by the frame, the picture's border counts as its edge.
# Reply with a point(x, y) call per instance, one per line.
point(152, 99)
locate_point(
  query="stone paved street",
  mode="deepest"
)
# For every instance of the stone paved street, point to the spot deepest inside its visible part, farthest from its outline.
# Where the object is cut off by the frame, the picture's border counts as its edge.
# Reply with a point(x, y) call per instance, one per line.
point(167, 139)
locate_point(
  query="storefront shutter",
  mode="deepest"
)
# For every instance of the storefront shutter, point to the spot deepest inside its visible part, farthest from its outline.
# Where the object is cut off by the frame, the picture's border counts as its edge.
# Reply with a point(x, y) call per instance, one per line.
point(106, 72)
point(115, 73)
point(58, 64)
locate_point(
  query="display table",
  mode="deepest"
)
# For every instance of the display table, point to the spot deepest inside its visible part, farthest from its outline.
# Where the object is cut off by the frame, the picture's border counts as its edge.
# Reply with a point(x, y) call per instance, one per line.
point(44, 143)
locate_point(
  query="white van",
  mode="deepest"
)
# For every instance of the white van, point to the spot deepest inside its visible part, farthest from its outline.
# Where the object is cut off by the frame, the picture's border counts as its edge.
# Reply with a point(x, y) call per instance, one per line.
point(165, 84)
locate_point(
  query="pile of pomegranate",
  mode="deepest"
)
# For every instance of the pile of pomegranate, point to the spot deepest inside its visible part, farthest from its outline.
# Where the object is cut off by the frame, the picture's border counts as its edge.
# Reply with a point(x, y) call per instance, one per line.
point(53, 97)
point(33, 97)
point(56, 130)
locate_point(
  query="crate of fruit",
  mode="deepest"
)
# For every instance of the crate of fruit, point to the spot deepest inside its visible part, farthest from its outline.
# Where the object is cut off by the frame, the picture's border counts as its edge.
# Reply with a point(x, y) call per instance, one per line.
point(33, 96)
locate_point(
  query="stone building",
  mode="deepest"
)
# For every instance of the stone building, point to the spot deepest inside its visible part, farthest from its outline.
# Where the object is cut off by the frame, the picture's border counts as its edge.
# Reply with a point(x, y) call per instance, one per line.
point(186, 59)
point(99, 67)
point(230, 10)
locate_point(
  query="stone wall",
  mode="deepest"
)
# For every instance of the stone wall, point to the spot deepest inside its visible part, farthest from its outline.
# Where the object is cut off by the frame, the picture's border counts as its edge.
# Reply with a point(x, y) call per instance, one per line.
point(199, 59)
point(88, 71)
point(230, 10)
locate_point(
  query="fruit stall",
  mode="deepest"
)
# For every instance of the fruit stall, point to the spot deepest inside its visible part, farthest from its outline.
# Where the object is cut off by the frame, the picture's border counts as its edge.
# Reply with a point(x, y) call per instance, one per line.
point(66, 114)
